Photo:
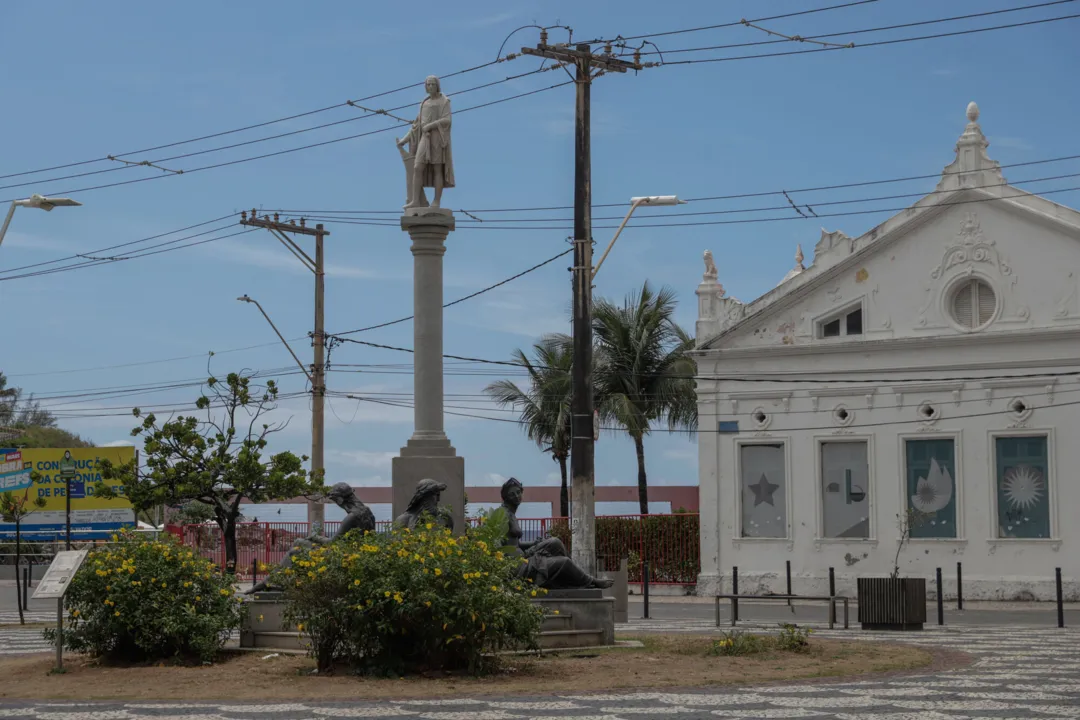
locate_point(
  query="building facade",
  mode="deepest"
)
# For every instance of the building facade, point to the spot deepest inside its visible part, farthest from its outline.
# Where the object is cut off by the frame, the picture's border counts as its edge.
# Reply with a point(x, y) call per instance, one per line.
point(919, 382)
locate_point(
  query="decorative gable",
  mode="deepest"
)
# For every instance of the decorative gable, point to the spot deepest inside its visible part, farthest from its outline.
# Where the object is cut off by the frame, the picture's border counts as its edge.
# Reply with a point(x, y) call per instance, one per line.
point(949, 264)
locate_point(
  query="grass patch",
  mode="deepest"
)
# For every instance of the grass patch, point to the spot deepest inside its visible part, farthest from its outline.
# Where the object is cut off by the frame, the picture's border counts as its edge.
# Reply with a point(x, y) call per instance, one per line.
point(663, 661)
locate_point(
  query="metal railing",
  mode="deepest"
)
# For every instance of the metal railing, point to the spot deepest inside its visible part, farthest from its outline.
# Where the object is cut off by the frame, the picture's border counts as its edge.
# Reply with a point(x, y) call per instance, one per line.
point(669, 543)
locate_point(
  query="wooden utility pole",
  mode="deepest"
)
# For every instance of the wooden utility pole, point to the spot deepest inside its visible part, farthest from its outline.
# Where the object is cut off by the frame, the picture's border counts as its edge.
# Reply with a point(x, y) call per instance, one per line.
point(281, 231)
point(582, 433)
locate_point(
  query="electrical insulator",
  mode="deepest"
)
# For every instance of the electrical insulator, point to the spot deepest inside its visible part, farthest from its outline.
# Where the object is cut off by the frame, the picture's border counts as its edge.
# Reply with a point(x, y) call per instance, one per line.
point(543, 36)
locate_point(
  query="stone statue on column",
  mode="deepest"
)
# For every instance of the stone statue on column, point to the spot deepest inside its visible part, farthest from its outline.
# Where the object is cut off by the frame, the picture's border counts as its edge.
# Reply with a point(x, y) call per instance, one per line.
point(430, 159)
point(428, 456)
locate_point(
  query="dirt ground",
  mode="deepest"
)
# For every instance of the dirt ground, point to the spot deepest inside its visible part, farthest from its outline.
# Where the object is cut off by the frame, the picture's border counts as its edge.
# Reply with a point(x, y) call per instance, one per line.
point(662, 662)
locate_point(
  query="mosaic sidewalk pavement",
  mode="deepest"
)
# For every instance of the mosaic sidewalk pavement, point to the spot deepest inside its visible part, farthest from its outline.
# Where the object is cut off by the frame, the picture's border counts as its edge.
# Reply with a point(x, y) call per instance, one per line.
point(1019, 673)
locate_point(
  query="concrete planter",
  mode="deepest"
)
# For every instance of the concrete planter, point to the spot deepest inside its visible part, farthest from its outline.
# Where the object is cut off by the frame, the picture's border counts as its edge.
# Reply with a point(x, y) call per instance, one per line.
point(892, 603)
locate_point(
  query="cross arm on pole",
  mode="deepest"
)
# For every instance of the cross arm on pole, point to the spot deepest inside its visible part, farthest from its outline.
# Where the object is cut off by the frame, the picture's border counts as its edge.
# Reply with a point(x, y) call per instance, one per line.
point(564, 53)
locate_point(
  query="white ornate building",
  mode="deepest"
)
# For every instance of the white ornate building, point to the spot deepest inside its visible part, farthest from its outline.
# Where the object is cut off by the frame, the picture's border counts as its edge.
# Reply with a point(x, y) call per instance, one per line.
point(928, 370)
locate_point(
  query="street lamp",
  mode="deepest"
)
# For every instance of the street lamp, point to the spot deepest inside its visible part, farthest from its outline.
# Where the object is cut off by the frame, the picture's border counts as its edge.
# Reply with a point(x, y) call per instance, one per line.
point(583, 410)
point(253, 301)
point(635, 203)
point(36, 201)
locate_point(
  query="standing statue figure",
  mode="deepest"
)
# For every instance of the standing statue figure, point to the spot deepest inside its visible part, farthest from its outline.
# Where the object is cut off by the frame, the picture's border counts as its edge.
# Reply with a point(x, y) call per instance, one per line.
point(358, 517)
point(425, 501)
point(429, 147)
point(549, 566)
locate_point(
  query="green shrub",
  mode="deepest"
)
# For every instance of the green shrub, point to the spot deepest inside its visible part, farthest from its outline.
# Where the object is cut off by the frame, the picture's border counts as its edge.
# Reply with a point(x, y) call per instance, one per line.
point(148, 599)
point(793, 638)
point(404, 602)
point(739, 643)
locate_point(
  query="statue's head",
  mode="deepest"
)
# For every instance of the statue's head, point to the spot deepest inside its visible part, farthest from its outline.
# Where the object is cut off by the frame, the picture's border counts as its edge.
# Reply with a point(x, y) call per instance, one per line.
point(512, 492)
point(432, 85)
point(340, 493)
point(427, 491)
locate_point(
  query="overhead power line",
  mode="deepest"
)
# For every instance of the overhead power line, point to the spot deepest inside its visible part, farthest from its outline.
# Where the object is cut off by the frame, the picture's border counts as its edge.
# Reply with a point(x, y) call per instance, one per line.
point(845, 33)
point(877, 43)
point(736, 23)
point(736, 196)
point(188, 171)
point(296, 116)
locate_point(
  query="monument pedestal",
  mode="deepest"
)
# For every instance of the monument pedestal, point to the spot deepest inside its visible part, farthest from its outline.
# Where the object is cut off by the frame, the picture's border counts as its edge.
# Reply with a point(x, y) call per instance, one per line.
point(576, 618)
point(417, 463)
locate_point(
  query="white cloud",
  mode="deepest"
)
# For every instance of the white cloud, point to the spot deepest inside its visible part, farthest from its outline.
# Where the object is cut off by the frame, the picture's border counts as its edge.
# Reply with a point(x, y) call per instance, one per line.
point(278, 258)
point(1013, 143)
point(363, 458)
point(117, 443)
point(688, 454)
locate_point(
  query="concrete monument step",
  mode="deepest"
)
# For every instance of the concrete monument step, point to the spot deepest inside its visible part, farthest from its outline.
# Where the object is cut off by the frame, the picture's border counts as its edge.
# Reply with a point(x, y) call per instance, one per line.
point(278, 640)
point(557, 622)
point(555, 639)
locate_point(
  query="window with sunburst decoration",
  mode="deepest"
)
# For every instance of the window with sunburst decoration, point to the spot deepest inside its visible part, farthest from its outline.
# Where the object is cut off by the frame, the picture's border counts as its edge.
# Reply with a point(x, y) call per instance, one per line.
point(1023, 490)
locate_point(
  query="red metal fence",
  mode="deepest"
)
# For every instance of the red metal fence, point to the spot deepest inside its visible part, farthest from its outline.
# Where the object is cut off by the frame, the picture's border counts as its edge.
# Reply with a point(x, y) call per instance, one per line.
point(670, 543)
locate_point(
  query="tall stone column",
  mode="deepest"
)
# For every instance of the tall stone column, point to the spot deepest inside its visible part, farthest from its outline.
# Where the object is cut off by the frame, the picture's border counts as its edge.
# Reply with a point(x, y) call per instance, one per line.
point(428, 453)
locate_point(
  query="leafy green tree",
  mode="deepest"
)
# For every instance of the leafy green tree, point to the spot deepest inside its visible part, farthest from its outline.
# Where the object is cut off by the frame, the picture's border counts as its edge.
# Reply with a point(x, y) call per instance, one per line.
point(48, 437)
point(13, 508)
point(217, 460)
point(192, 512)
point(643, 371)
point(544, 405)
point(22, 413)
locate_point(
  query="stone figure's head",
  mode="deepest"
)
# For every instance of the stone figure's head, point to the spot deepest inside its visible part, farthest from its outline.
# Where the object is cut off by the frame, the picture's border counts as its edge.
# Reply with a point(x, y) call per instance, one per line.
point(432, 85)
point(427, 492)
point(512, 492)
point(340, 493)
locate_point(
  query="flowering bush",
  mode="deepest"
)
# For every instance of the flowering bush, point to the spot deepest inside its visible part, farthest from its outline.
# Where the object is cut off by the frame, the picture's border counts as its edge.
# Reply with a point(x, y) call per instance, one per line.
point(143, 599)
point(404, 601)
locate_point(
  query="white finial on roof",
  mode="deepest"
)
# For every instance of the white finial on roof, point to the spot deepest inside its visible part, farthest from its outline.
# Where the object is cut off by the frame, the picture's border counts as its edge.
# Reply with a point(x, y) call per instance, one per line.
point(799, 257)
point(972, 167)
point(973, 112)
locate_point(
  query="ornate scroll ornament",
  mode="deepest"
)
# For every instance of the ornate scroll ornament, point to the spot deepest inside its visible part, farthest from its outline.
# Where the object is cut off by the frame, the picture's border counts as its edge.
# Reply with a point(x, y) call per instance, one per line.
point(969, 254)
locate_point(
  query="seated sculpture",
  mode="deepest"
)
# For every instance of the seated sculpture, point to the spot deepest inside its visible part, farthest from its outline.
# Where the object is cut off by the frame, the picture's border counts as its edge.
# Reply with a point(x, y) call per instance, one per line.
point(548, 565)
point(358, 517)
point(425, 501)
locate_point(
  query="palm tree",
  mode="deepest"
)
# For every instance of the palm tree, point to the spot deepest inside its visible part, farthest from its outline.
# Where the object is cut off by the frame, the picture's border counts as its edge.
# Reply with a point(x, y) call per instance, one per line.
point(545, 404)
point(643, 372)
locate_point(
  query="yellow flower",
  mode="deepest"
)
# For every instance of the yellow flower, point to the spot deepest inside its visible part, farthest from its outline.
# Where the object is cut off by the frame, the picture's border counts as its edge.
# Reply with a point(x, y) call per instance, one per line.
point(224, 592)
point(356, 582)
point(300, 627)
point(438, 571)
point(398, 598)
point(534, 593)
point(426, 604)
point(428, 526)
point(494, 588)
point(556, 612)
point(116, 614)
point(75, 613)
point(498, 556)
point(260, 618)
point(386, 594)
point(199, 597)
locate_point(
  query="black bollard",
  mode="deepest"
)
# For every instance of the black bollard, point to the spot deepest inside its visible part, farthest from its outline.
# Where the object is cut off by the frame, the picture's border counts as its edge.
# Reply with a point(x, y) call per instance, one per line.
point(254, 572)
point(940, 600)
point(1060, 603)
point(787, 570)
point(735, 591)
point(832, 593)
point(645, 587)
point(959, 587)
point(26, 585)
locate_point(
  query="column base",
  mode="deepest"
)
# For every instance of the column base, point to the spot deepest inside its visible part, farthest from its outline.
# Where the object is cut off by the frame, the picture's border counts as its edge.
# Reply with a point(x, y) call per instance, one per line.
point(432, 459)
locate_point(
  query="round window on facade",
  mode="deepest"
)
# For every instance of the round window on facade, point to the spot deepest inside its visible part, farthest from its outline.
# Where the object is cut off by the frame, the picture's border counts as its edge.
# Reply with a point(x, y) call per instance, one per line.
point(973, 304)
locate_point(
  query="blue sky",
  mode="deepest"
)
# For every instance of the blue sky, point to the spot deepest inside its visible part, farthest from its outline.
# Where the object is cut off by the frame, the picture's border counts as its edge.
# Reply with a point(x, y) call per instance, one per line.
point(131, 75)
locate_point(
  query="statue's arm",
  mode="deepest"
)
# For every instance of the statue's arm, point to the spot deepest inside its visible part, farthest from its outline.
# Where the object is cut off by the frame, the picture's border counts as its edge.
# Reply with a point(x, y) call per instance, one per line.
point(443, 122)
